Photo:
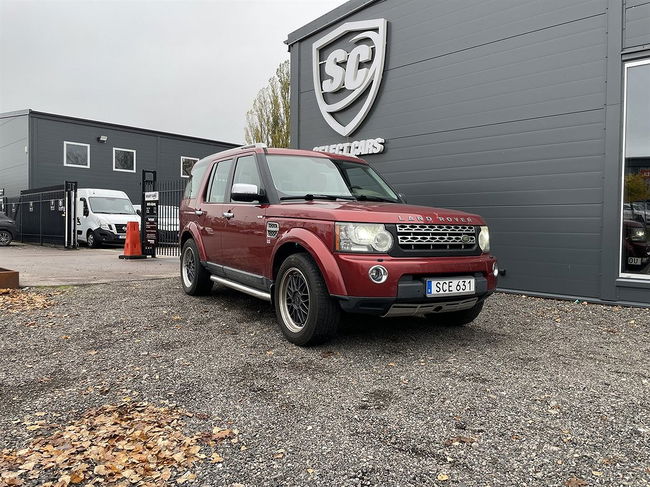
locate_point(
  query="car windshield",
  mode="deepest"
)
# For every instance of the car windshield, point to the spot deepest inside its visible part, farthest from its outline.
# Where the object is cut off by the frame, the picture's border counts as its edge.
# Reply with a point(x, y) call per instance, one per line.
point(304, 177)
point(115, 206)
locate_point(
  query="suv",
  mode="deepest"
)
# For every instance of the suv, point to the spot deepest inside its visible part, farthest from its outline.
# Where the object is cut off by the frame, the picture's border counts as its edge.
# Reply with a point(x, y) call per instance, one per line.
point(317, 234)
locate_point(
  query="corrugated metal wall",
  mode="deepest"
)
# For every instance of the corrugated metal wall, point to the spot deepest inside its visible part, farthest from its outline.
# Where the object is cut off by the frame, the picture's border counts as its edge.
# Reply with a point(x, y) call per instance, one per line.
point(13, 154)
point(494, 107)
point(154, 151)
point(637, 23)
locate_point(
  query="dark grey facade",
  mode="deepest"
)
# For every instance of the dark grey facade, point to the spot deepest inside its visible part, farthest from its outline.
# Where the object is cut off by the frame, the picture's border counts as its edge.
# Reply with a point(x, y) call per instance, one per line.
point(32, 152)
point(512, 109)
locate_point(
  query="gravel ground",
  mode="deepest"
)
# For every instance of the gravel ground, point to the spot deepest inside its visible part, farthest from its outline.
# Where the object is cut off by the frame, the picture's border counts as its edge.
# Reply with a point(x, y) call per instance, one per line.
point(534, 393)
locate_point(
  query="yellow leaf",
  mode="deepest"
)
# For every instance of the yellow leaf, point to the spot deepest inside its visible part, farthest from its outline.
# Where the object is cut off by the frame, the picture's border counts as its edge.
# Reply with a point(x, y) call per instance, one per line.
point(216, 458)
point(33, 427)
point(442, 477)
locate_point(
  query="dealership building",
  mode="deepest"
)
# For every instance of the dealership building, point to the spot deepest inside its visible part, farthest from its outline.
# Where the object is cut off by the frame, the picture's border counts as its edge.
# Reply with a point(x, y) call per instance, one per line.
point(40, 149)
point(535, 115)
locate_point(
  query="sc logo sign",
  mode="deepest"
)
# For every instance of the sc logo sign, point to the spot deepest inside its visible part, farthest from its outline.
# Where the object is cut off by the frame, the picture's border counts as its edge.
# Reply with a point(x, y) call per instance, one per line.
point(348, 70)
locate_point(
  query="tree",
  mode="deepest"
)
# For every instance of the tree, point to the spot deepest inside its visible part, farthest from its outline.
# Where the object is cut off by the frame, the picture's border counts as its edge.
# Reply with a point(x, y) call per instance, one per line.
point(636, 188)
point(269, 119)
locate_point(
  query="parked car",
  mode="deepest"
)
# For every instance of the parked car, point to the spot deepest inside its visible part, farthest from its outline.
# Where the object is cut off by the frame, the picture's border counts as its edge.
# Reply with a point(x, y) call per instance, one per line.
point(8, 230)
point(636, 249)
point(317, 234)
point(102, 216)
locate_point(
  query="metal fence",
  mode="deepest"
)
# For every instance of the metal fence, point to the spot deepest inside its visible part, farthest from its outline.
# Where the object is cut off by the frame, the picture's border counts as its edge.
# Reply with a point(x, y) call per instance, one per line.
point(170, 194)
point(40, 214)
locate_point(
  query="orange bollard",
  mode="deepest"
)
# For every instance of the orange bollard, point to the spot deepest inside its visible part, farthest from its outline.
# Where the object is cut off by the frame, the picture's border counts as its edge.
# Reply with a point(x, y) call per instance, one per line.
point(132, 246)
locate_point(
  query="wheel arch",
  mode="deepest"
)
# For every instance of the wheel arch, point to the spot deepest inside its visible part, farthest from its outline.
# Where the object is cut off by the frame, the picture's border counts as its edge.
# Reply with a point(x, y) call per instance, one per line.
point(299, 240)
point(192, 232)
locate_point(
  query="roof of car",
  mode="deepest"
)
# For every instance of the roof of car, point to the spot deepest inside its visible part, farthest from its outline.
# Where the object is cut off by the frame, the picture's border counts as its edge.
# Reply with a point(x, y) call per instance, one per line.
point(281, 151)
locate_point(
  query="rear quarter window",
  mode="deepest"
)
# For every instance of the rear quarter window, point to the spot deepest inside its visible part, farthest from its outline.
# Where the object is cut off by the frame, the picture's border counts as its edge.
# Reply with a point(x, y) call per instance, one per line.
point(194, 183)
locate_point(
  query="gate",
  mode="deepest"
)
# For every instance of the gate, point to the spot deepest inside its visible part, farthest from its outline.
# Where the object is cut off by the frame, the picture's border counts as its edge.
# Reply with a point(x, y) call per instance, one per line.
point(45, 215)
point(165, 214)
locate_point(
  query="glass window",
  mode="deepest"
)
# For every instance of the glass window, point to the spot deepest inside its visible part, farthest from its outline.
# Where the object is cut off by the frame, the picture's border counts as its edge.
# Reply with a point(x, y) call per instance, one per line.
point(123, 160)
point(635, 234)
point(219, 182)
point(196, 176)
point(76, 154)
point(247, 172)
point(296, 176)
point(113, 206)
point(187, 163)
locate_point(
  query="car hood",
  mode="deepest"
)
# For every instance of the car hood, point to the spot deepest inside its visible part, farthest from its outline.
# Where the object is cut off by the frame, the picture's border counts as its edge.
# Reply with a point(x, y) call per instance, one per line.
point(370, 212)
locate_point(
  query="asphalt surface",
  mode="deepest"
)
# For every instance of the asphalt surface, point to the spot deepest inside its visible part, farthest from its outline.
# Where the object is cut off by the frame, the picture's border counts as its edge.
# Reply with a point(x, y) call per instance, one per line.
point(55, 266)
point(534, 393)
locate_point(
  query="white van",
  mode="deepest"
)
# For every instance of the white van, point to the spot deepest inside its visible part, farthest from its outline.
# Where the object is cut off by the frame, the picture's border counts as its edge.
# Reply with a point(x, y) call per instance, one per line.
point(102, 215)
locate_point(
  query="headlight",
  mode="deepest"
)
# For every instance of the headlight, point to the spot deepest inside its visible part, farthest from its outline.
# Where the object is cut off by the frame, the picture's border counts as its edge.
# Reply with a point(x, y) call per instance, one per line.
point(362, 237)
point(105, 226)
point(638, 235)
point(484, 239)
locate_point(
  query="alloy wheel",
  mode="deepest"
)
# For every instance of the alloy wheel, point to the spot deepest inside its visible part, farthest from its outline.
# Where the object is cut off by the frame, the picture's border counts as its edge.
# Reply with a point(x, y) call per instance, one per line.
point(189, 267)
point(5, 237)
point(294, 299)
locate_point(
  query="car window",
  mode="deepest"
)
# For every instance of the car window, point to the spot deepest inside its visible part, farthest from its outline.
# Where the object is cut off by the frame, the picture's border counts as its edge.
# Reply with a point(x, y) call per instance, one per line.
point(246, 171)
point(219, 183)
point(192, 186)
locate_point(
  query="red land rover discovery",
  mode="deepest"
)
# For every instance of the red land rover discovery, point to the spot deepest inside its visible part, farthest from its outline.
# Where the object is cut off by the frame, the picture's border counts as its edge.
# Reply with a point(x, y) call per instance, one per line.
point(317, 233)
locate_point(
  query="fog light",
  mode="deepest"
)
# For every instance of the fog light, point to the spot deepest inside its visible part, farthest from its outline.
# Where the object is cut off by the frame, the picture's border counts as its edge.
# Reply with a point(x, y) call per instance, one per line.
point(495, 269)
point(378, 274)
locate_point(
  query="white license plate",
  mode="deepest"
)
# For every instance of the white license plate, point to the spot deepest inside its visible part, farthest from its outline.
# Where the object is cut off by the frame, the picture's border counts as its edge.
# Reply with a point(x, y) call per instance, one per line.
point(634, 260)
point(450, 286)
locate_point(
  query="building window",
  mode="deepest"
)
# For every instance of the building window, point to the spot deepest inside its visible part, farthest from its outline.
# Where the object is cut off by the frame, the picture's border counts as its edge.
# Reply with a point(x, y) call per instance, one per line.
point(76, 154)
point(635, 228)
point(187, 163)
point(123, 160)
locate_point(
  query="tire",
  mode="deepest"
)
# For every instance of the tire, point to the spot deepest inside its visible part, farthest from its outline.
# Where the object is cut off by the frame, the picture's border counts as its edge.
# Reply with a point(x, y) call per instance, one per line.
point(457, 318)
point(91, 240)
point(5, 238)
point(306, 313)
point(195, 278)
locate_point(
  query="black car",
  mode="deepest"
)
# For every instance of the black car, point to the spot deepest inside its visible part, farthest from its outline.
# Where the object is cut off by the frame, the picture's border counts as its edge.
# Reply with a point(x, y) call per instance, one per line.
point(7, 230)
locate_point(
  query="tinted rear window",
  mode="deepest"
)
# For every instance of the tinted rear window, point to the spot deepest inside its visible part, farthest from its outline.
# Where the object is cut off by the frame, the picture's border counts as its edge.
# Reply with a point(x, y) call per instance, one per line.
point(192, 187)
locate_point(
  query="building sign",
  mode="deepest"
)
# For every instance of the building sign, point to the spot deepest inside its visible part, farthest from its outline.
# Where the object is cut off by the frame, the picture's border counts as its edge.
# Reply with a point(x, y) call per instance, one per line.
point(355, 148)
point(347, 78)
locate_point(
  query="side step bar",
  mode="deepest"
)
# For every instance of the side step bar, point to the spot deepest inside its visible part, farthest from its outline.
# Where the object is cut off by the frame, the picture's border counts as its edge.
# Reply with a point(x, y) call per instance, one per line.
point(240, 287)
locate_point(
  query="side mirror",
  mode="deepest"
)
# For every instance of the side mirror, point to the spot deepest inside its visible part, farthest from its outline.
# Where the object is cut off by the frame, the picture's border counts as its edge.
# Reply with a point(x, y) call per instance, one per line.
point(245, 192)
point(138, 212)
point(402, 197)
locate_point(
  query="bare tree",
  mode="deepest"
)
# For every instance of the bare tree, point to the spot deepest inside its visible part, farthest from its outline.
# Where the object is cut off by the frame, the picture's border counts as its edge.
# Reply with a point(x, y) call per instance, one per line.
point(269, 119)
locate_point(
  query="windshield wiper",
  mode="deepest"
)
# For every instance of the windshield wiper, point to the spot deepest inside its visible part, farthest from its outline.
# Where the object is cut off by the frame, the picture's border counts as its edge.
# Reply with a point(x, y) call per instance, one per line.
point(310, 197)
point(363, 197)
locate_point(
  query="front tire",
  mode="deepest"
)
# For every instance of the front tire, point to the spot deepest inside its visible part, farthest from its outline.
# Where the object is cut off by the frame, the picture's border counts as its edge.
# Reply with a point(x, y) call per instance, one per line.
point(457, 318)
point(305, 311)
point(91, 240)
point(195, 279)
point(5, 238)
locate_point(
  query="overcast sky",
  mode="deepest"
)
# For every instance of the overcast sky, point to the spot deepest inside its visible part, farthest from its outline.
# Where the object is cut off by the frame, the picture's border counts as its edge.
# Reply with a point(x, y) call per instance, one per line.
point(184, 66)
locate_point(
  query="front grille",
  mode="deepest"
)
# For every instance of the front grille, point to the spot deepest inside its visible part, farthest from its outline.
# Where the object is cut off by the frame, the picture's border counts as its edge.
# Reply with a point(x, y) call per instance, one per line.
point(120, 228)
point(436, 237)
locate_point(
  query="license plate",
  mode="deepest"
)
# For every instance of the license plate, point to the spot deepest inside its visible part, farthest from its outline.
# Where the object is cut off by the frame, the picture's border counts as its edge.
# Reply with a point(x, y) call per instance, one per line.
point(122, 236)
point(634, 260)
point(450, 286)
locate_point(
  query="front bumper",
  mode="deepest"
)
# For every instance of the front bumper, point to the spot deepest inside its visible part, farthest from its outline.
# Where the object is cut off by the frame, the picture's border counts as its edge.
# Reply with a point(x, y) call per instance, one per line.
point(404, 293)
point(106, 236)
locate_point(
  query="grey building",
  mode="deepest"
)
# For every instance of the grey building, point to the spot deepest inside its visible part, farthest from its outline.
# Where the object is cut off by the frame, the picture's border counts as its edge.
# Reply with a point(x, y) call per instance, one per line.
point(534, 114)
point(42, 149)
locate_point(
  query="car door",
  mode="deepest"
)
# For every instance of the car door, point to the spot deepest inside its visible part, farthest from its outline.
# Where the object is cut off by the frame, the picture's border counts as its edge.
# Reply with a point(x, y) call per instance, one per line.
point(212, 220)
point(244, 237)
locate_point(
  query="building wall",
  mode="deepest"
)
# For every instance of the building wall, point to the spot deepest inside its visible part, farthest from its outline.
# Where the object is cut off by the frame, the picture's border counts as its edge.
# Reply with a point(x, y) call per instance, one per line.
point(154, 151)
point(637, 23)
point(13, 154)
point(495, 108)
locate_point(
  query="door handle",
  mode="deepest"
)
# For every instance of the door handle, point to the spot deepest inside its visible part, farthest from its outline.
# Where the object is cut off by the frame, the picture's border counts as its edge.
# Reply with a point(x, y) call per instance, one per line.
point(228, 214)
point(198, 212)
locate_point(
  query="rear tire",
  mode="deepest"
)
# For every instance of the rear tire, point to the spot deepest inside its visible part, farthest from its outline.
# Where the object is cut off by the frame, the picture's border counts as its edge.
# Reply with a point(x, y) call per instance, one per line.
point(195, 279)
point(456, 318)
point(305, 311)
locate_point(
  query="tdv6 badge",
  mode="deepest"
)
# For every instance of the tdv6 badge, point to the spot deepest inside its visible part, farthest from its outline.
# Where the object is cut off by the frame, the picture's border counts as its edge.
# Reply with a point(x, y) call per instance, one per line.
point(347, 65)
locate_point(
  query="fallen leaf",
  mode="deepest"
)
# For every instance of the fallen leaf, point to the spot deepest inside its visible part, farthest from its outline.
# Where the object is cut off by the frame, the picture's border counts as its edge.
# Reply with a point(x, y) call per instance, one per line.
point(575, 482)
point(216, 458)
point(442, 477)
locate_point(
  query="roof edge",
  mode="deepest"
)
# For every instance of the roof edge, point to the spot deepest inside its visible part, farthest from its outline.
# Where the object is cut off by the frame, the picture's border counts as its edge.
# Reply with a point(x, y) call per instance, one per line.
point(15, 113)
point(327, 19)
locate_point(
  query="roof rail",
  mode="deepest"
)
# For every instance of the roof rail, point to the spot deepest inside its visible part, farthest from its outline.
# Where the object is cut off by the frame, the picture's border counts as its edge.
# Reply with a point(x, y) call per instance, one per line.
point(256, 145)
